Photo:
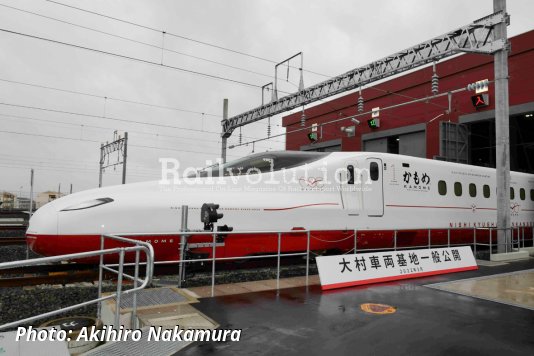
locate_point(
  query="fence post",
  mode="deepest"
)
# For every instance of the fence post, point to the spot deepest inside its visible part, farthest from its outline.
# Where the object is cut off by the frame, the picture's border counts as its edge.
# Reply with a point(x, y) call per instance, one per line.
point(134, 297)
point(475, 240)
point(506, 240)
point(183, 240)
point(100, 277)
point(119, 290)
point(307, 256)
point(278, 262)
point(491, 242)
point(213, 262)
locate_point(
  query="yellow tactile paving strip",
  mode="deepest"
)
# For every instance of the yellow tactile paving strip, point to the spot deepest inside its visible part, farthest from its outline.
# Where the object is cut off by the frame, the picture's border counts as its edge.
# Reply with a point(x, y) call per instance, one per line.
point(516, 288)
point(255, 286)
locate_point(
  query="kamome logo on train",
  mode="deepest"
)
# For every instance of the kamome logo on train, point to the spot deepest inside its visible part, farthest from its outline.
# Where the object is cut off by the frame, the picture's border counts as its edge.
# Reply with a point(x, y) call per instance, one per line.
point(416, 181)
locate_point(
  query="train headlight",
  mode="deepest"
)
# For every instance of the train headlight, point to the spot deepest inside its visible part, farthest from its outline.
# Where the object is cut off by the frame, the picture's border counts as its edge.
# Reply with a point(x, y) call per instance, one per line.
point(88, 204)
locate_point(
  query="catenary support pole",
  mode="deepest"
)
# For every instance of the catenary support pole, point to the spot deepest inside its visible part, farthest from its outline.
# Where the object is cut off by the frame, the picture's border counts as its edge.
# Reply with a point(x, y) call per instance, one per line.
point(124, 157)
point(224, 139)
point(31, 193)
point(502, 131)
point(100, 164)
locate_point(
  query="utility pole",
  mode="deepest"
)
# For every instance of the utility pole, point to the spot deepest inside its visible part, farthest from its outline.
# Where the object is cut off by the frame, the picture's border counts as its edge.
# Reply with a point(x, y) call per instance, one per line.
point(223, 138)
point(119, 145)
point(59, 190)
point(31, 192)
point(502, 131)
point(70, 188)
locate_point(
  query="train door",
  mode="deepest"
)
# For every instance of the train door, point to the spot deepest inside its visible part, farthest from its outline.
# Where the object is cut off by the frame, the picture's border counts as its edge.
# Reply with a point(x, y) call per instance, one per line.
point(373, 191)
point(350, 187)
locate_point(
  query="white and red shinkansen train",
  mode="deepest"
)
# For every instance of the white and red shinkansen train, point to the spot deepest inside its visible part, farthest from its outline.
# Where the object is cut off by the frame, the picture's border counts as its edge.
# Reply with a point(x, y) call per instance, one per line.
point(331, 194)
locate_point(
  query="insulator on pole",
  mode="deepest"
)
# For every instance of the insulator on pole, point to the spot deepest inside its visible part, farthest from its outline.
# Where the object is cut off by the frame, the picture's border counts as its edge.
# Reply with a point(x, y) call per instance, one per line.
point(435, 80)
point(303, 118)
point(360, 102)
point(269, 127)
point(240, 136)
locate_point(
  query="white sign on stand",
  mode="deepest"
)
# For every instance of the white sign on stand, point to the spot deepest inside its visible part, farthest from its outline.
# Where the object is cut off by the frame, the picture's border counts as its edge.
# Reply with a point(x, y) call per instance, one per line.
point(375, 267)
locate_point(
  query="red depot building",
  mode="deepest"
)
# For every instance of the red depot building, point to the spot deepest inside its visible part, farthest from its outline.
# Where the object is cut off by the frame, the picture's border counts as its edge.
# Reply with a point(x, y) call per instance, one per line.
point(427, 128)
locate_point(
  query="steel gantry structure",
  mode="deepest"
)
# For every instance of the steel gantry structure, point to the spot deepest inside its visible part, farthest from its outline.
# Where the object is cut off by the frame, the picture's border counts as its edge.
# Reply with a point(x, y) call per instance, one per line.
point(476, 37)
point(486, 36)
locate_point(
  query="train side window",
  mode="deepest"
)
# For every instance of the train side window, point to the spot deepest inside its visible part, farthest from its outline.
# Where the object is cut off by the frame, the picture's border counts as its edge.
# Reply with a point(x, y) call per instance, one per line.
point(458, 189)
point(512, 193)
point(522, 193)
point(350, 169)
point(373, 168)
point(472, 190)
point(486, 191)
point(442, 187)
point(532, 194)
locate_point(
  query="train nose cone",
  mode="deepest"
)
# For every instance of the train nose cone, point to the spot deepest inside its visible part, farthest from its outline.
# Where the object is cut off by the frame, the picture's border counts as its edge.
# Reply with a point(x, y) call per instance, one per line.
point(42, 230)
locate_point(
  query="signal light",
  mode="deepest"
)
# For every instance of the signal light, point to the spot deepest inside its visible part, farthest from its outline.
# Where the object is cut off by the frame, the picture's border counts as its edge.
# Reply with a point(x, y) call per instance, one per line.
point(373, 123)
point(480, 100)
point(312, 136)
point(209, 215)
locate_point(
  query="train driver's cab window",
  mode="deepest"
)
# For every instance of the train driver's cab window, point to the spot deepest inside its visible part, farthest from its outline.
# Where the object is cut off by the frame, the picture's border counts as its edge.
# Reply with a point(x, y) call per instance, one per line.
point(350, 170)
point(373, 169)
point(522, 193)
point(458, 189)
point(442, 187)
point(512, 193)
point(472, 190)
point(486, 191)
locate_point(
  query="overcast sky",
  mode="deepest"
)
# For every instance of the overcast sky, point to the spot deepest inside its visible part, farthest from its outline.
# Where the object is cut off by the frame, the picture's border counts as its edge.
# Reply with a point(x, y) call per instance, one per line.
point(335, 36)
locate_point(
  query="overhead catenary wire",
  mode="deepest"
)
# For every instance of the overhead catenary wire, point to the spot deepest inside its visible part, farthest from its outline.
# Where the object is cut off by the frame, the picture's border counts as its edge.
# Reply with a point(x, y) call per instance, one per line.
point(67, 169)
point(176, 35)
point(106, 117)
point(90, 165)
point(106, 97)
point(70, 91)
point(83, 126)
point(135, 59)
point(94, 141)
point(78, 125)
point(109, 118)
point(70, 162)
point(162, 48)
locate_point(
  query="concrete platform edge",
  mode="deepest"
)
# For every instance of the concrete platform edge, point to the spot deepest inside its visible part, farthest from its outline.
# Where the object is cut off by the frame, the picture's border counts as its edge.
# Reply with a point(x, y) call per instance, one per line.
point(510, 256)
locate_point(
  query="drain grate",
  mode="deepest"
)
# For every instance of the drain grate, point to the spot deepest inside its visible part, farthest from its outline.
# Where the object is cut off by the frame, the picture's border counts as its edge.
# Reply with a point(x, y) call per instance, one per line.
point(142, 347)
point(151, 297)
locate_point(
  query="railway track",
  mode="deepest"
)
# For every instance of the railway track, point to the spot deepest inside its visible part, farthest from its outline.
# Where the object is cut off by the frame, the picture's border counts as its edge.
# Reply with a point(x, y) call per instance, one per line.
point(62, 274)
point(52, 278)
point(13, 227)
point(9, 241)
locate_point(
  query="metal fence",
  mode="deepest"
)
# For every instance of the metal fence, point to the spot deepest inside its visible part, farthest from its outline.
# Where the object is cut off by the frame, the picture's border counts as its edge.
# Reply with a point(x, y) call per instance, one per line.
point(137, 247)
point(517, 241)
